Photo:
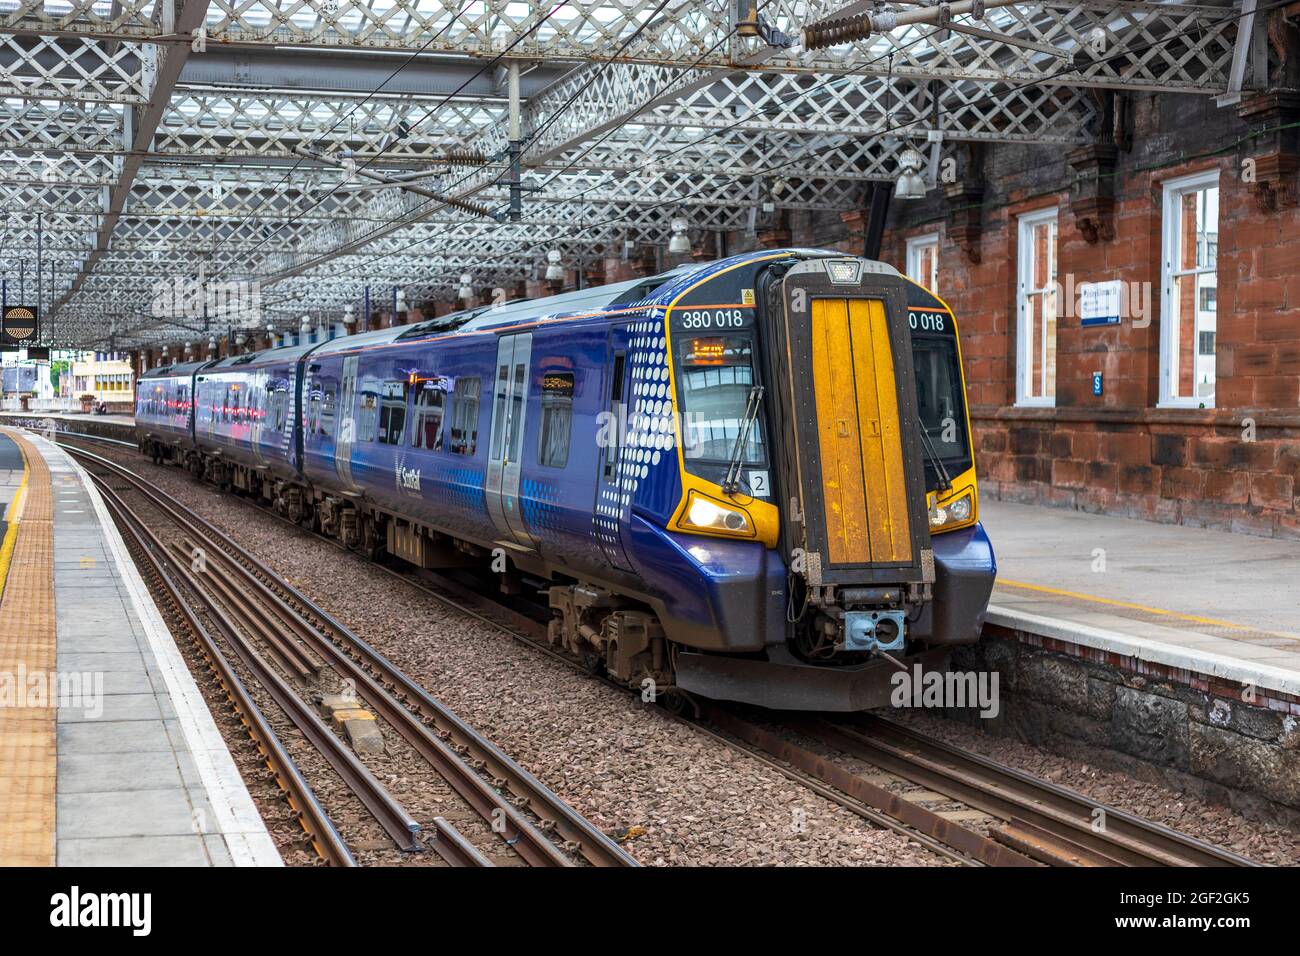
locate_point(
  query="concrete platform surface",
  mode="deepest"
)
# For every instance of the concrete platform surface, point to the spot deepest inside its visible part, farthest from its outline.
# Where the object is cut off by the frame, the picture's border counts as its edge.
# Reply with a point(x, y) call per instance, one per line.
point(1215, 601)
point(143, 777)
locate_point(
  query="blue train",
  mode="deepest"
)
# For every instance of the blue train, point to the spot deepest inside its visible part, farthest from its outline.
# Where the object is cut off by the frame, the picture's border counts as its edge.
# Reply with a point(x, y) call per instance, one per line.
point(750, 479)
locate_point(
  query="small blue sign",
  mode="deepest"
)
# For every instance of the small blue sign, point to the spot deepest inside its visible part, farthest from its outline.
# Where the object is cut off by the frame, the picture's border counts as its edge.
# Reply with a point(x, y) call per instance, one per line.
point(1096, 383)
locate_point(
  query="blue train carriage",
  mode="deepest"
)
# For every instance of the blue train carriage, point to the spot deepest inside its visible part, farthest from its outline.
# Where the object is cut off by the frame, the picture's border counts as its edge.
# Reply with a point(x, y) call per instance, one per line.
point(245, 425)
point(164, 404)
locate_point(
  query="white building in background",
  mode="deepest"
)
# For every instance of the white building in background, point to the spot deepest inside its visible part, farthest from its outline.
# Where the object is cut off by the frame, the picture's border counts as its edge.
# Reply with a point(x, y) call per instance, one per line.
point(107, 376)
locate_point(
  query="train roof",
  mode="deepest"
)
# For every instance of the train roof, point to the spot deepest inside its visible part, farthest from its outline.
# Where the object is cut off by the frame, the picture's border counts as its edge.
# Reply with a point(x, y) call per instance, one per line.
point(285, 353)
point(658, 289)
point(176, 368)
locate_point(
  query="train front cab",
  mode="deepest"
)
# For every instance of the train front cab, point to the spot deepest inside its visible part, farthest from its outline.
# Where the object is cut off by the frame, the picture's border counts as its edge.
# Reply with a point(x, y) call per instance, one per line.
point(877, 525)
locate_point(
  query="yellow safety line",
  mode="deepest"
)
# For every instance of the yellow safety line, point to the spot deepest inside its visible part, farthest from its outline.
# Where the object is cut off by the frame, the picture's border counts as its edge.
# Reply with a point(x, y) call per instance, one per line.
point(11, 531)
point(1214, 622)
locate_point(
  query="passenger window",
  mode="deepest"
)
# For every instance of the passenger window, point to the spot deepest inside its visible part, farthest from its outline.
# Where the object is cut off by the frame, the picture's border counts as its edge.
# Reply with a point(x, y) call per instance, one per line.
point(327, 407)
point(392, 413)
point(557, 419)
point(430, 406)
point(615, 403)
point(314, 413)
point(274, 408)
point(368, 417)
point(464, 416)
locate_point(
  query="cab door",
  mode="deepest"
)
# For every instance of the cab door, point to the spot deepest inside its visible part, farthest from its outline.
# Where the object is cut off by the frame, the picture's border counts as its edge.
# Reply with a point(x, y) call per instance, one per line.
point(505, 446)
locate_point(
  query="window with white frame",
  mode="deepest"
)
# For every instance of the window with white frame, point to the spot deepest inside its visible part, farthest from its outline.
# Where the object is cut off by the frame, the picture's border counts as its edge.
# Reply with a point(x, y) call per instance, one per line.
point(1189, 290)
point(923, 261)
point(1036, 309)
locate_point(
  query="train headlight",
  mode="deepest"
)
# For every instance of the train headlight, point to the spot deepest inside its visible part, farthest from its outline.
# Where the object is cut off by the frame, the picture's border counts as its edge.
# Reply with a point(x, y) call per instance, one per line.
point(709, 515)
point(953, 513)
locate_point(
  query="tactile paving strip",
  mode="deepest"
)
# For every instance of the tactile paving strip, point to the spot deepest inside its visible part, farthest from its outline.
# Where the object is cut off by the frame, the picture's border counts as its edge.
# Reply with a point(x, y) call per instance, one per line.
point(28, 756)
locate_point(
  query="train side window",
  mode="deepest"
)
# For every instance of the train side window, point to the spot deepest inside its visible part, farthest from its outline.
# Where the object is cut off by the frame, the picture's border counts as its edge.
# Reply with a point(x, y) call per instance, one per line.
point(392, 412)
point(314, 412)
point(464, 416)
point(557, 419)
point(276, 412)
point(430, 407)
point(368, 417)
point(612, 437)
point(327, 409)
point(499, 412)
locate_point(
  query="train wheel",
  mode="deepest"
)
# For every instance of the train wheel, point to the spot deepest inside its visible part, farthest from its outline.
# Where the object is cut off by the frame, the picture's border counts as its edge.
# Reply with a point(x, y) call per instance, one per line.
point(678, 703)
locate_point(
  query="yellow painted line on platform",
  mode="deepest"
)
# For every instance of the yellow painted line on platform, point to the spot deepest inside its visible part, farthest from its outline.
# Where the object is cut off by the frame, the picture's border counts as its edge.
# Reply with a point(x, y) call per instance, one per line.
point(12, 516)
point(1146, 609)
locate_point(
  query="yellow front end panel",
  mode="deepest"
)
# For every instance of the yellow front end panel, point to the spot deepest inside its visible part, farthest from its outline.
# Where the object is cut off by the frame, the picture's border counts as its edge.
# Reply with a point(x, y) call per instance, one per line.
point(865, 498)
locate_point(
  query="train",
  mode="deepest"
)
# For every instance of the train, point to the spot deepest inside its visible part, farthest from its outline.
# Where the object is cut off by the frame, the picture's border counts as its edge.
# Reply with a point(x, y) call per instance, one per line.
point(749, 480)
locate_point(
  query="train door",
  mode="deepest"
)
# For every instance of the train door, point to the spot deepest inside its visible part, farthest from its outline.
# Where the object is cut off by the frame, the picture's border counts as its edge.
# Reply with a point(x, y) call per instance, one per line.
point(505, 447)
point(346, 423)
point(613, 499)
point(259, 399)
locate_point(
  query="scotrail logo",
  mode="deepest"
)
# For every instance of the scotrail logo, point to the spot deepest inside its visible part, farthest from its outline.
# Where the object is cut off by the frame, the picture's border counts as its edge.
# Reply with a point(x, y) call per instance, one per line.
point(408, 479)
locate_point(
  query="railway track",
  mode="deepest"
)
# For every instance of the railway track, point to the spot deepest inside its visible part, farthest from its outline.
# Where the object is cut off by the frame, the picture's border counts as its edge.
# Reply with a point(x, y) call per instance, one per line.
point(998, 816)
point(241, 595)
point(319, 830)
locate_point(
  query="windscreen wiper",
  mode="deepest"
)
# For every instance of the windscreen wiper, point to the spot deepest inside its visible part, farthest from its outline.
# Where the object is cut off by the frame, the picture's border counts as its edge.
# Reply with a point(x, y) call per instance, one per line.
point(731, 484)
point(945, 480)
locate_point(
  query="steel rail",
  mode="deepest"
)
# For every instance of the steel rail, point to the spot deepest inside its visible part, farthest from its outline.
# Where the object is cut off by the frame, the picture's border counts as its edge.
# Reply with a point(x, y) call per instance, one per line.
point(1014, 795)
point(391, 692)
point(291, 656)
point(392, 816)
point(307, 810)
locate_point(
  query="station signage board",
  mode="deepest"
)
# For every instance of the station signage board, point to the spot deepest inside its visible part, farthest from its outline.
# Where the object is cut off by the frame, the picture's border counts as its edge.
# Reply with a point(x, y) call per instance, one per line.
point(19, 325)
point(1100, 302)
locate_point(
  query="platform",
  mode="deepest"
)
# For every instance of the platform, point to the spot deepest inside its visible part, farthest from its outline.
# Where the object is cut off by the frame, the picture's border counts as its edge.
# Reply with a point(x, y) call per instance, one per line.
point(108, 753)
point(125, 421)
point(1209, 602)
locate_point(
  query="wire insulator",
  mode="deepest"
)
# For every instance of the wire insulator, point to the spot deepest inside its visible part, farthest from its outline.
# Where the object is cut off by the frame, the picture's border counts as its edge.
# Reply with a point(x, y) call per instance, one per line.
point(817, 36)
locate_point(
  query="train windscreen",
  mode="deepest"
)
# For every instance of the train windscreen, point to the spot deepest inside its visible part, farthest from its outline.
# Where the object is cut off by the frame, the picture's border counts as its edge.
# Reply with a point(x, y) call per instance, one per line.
point(941, 404)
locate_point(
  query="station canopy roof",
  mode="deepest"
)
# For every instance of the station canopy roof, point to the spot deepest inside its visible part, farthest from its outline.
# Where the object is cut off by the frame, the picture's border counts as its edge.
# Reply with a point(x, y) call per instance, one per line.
point(262, 160)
